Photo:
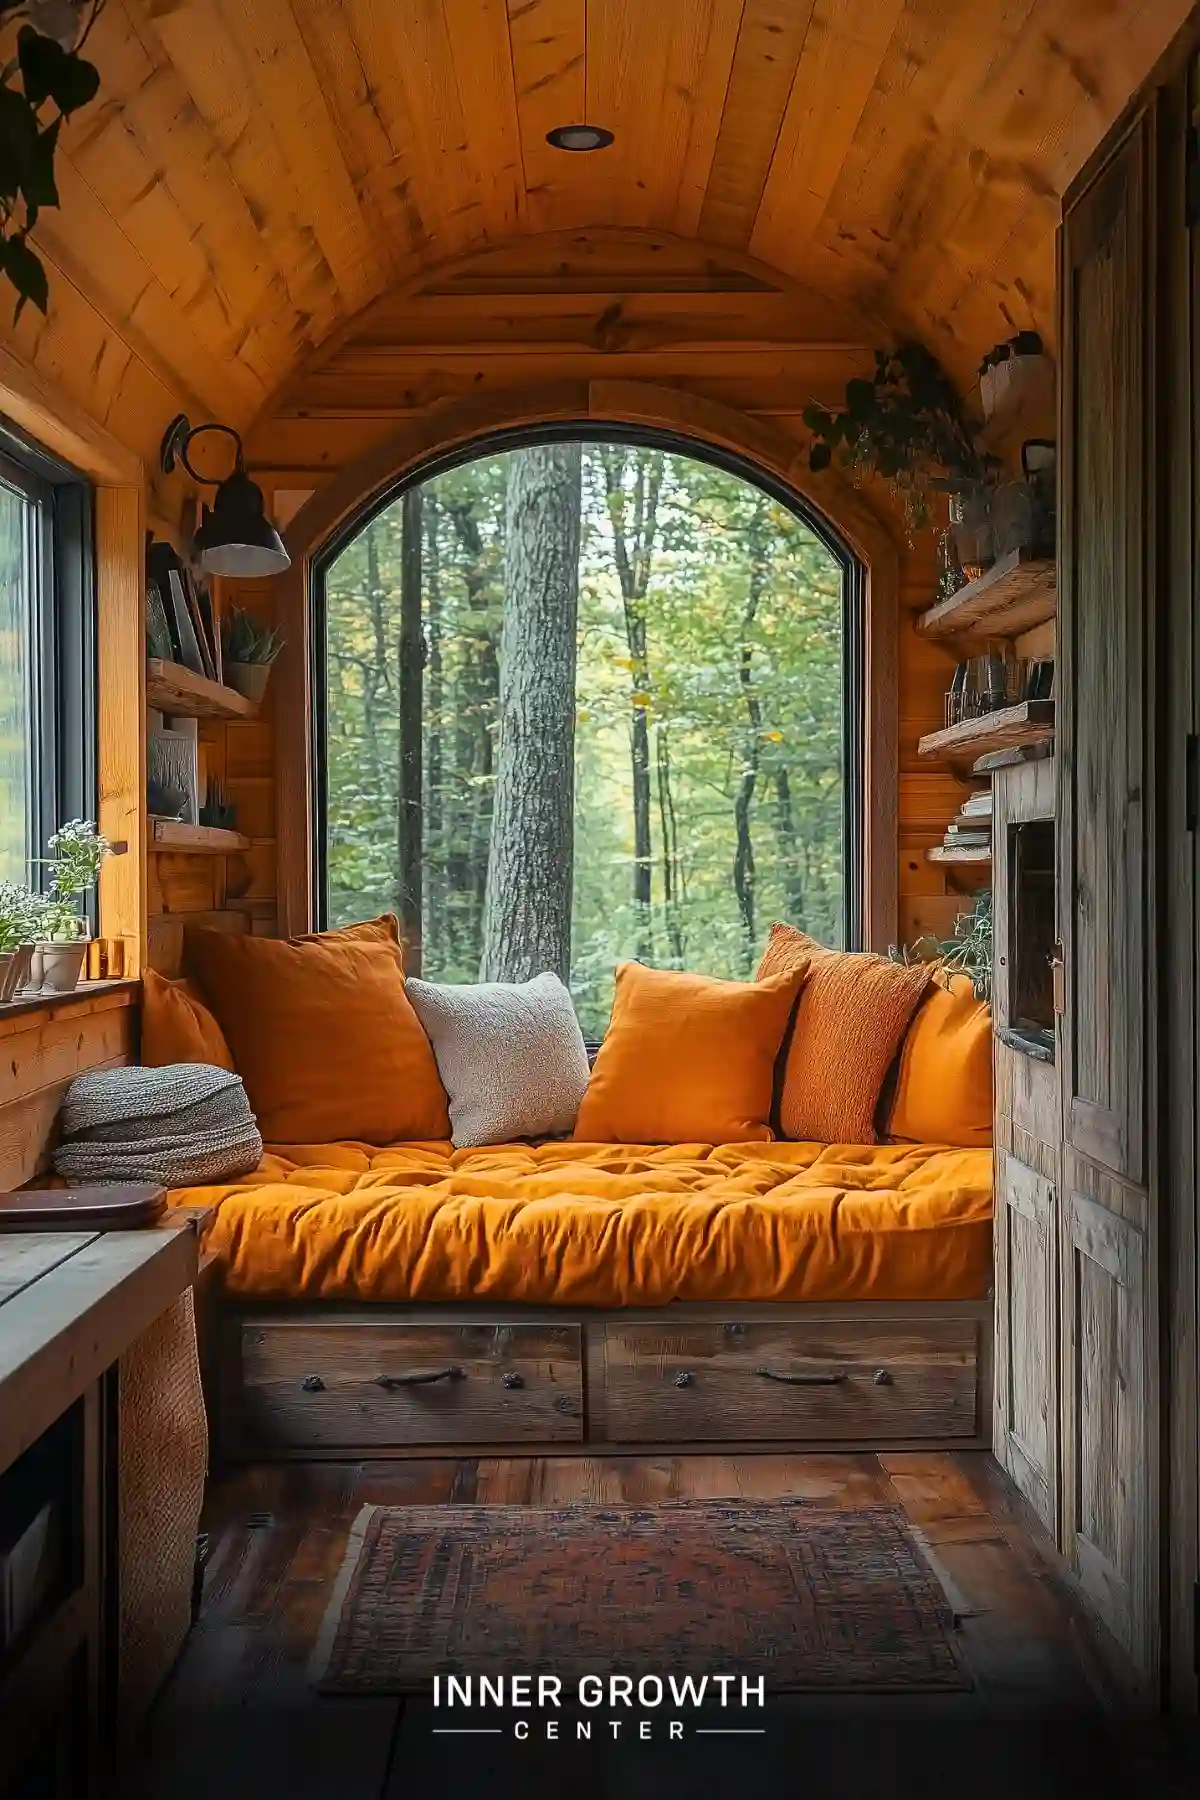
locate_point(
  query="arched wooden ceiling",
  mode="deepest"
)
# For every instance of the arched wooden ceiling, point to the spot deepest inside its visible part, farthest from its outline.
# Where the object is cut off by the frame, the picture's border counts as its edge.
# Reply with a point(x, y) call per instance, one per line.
point(257, 172)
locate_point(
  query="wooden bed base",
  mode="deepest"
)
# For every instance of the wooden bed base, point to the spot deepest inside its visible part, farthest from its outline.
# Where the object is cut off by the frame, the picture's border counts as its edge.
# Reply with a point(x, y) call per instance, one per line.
point(342, 1383)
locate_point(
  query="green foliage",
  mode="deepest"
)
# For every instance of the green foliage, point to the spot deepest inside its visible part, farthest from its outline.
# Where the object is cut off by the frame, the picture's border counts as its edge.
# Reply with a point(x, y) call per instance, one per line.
point(57, 920)
point(18, 915)
point(905, 424)
point(79, 850)
point(246, 641)
point(44, 74)
point(968, 952)
point(713, 736)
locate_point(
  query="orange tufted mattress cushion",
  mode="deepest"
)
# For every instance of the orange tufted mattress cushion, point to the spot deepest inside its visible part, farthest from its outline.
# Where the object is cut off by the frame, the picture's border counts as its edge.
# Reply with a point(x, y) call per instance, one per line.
point(607, 1225)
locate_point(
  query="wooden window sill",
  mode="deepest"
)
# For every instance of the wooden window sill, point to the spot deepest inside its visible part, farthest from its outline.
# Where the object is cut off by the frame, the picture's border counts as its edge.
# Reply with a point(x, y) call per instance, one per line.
point(32, 1008)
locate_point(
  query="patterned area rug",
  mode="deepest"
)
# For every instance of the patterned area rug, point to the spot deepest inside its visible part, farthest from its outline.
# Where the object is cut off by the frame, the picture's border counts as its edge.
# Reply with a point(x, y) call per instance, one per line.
point(804, 1596)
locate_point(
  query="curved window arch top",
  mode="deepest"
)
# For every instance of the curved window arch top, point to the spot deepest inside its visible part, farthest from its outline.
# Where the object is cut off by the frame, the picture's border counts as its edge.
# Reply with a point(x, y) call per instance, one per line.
point(585, 694)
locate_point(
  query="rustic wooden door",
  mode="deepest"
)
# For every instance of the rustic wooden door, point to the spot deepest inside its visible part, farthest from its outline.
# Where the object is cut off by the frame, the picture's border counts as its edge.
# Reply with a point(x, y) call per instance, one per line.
point(1109, 1382)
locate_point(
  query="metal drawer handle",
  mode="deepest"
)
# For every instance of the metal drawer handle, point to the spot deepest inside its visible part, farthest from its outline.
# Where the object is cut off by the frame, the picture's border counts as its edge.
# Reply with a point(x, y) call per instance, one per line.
point(685, 1378)
point(512, 1378)
point(453, 1373)
point(312, 1384)
point(801, 1380)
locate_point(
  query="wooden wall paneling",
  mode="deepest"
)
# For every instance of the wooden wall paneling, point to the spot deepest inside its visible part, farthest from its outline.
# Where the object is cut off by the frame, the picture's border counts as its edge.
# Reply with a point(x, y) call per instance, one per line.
point(40, 1055)
point(165, 935)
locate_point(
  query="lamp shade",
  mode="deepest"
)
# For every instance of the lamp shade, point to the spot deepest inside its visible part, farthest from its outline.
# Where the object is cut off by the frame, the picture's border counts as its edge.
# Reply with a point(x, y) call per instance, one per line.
point(236, 537)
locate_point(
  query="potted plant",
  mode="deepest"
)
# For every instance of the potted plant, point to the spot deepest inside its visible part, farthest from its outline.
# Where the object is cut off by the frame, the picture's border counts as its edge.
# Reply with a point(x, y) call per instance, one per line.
point(249, 651)
point(61, 936)
point(968, 952)
point(17, 930)
point(905, 423)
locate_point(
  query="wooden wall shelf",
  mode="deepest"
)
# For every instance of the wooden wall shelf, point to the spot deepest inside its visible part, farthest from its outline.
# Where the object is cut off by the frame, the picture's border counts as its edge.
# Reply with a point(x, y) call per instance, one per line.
point(973, 853)
point(205, 840)
point(170, 688)
point(1015, 594)
point(1031, 722)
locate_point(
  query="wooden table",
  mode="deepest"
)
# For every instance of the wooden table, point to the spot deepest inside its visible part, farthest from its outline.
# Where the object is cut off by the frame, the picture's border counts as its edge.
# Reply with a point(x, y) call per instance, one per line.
point(71, 1304)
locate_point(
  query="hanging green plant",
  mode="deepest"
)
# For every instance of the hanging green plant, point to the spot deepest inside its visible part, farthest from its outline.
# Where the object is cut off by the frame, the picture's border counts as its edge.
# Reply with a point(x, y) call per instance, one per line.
point(43, 84)
point(907, 425)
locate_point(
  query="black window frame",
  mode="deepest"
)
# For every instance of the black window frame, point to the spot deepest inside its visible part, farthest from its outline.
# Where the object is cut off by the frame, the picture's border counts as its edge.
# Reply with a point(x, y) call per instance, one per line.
point(593, 431)
point(63, 648)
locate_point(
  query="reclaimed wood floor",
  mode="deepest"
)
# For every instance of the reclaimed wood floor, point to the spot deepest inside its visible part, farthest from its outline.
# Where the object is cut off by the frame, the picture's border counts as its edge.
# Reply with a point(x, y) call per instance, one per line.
point(238, 1721)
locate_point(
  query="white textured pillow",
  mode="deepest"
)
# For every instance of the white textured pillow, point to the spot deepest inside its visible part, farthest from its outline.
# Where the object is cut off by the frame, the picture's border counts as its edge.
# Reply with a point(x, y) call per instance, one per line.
point(510, 1054)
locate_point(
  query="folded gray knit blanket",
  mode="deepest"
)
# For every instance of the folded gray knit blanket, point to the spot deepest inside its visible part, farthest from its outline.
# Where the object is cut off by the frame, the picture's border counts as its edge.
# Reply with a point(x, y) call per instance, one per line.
point(183, 1126)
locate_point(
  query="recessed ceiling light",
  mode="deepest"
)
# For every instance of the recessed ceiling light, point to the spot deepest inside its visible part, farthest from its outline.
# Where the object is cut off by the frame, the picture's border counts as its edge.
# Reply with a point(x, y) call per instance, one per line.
point(579, 137)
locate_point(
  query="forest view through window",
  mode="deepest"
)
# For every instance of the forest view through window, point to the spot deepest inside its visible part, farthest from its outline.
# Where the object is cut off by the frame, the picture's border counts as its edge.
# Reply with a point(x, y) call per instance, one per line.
point(585, 702)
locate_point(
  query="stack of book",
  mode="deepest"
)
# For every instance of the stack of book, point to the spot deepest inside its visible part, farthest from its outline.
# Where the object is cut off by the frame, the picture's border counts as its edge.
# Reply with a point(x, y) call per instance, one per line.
point(180, 623)
point(972, 830)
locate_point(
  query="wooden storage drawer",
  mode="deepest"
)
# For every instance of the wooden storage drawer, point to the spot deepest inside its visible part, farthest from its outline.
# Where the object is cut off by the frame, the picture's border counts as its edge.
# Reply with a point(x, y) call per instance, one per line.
point(696, 1383)
point(310, 1385)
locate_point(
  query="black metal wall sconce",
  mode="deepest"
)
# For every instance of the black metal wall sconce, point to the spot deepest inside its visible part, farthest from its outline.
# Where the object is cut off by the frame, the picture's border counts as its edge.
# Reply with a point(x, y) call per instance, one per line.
point(235, 536)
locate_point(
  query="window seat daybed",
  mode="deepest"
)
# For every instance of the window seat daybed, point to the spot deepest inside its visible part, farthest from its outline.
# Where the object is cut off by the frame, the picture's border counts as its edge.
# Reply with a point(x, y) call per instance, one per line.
point(555, 1296)
point(816, 1272)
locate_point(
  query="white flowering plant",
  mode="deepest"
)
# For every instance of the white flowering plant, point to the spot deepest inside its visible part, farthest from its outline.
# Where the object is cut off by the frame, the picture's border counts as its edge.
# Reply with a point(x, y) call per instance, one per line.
point(18, 916)
point(78, 851)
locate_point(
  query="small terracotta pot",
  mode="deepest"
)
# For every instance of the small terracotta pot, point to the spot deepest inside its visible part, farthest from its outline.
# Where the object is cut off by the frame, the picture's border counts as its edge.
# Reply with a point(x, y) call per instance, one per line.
point(57, 967)
point(248, 679)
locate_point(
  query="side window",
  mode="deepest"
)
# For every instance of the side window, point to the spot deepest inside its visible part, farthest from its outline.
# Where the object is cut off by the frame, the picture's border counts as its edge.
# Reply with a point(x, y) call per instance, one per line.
point(47, 658)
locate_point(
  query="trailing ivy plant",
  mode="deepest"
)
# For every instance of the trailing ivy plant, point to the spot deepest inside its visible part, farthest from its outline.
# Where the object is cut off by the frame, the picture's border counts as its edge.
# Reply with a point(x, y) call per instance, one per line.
point(43, 84)
point(905, 424)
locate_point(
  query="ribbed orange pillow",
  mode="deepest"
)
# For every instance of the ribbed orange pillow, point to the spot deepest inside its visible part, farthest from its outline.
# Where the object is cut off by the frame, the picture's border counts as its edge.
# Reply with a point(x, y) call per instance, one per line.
point(687, 1059)
point(853, 1013)
point(177, 1027)
point(944, 1083)
point(324, 1037)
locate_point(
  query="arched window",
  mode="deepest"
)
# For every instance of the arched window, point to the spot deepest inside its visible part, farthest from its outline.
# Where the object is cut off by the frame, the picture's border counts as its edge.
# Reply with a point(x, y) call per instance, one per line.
point(584, 697)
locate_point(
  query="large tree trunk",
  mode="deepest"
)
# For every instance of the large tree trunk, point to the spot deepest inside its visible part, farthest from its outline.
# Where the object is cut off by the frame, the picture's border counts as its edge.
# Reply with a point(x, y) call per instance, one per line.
point(527, 915)
point(412, 665)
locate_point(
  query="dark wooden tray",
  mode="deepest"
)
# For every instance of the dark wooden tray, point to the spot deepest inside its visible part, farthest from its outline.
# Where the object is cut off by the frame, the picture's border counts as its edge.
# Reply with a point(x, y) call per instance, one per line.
point(122, 1208)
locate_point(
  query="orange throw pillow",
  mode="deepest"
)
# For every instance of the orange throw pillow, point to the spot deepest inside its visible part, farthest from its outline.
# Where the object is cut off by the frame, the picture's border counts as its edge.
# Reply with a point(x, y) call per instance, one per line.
point(177, 1027)
point(687, 1059)
point(853, 1013)
point(324, 1037)
point(944, 1084)
point(383, 930)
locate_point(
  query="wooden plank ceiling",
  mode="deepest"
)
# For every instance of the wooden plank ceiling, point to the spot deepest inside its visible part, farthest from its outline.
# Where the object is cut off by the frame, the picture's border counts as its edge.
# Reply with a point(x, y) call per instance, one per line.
point(257, 172)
